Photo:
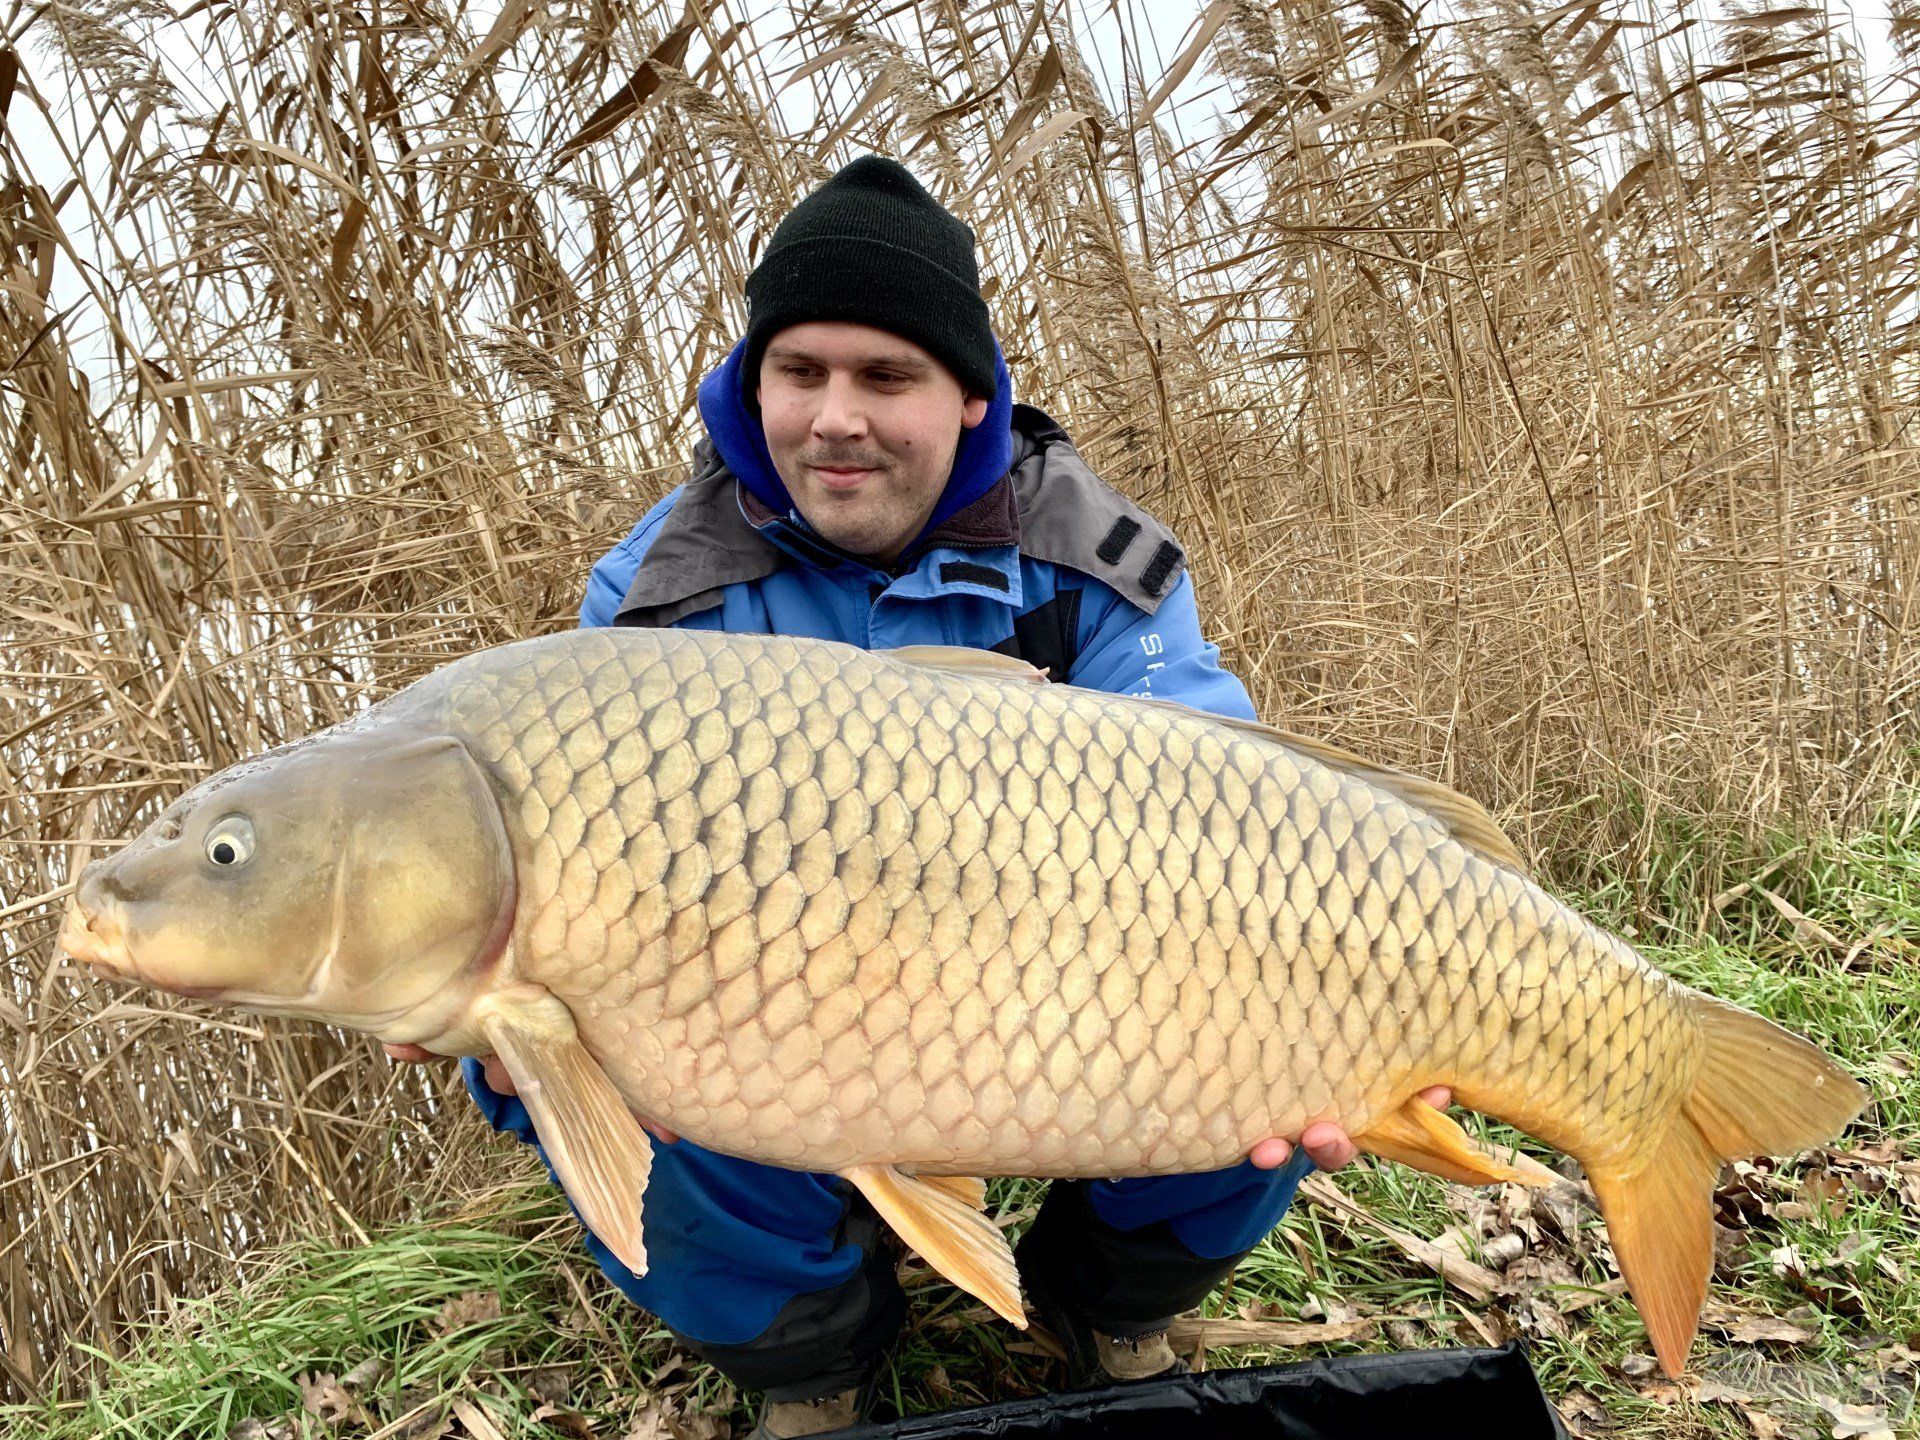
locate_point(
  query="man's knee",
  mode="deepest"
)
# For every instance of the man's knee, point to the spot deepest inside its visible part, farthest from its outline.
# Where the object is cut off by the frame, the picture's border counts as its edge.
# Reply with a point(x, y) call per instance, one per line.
point(1130, 1255)
point(782, 1280)
point(825, 1341)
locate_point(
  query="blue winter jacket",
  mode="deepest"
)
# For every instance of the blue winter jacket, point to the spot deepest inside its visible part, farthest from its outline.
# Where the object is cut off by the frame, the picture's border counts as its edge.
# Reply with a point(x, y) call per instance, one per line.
point(1028, 553)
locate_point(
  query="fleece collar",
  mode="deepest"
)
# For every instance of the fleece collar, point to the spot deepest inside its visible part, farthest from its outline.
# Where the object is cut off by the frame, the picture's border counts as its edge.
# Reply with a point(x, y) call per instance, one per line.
point(984, 455)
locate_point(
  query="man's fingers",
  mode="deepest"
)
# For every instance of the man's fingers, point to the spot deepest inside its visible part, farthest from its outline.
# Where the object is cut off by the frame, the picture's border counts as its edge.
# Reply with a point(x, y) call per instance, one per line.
point(655, 1129)
point(1327, 1145)
point(498, 1080)
point(408, 1052)
point(1270, 1154)
point(1438, 1096)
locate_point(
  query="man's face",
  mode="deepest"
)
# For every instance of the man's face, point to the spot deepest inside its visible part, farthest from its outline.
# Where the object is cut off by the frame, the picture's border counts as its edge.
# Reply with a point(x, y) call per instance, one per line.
point(862, 426)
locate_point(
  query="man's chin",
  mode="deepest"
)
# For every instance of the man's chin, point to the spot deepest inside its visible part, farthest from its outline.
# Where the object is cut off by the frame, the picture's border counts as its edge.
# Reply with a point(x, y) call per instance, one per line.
point(855, 539)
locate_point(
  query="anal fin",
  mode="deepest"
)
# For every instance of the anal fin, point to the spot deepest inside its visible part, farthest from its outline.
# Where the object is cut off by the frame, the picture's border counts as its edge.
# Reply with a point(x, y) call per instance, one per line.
point(938, 1216)
point(597, 1147)
point(1423, 1136)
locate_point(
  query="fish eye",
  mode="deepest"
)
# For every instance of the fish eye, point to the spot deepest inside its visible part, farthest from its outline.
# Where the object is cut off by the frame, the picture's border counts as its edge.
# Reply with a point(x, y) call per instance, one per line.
point(230, 841)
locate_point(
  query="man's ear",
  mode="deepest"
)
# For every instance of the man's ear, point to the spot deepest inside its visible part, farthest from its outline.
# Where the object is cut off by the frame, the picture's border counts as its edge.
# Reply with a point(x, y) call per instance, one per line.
point(973, 411)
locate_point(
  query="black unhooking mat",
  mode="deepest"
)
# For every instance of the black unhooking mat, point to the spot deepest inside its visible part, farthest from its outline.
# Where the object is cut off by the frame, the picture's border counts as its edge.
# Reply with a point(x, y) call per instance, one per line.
point(1419, 1394)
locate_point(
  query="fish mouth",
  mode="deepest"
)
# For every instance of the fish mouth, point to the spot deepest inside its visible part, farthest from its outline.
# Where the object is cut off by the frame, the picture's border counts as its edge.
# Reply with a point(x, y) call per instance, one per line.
point(91, 941)
point(95, 939)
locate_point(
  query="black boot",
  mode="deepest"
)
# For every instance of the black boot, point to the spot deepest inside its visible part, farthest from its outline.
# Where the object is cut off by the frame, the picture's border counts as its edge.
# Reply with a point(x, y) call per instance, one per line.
point(1092, 1357)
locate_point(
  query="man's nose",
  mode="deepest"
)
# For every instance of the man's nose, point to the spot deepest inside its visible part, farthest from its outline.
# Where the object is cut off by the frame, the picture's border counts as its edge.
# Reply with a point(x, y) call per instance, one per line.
point(841, 416)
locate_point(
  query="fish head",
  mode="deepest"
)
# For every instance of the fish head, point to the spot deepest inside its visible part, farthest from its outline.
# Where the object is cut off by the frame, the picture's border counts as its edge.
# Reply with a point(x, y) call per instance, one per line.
point(347, 878)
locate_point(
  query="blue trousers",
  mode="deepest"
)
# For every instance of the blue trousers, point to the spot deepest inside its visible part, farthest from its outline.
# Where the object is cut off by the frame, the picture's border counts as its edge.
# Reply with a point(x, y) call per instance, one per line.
point(780, 1280)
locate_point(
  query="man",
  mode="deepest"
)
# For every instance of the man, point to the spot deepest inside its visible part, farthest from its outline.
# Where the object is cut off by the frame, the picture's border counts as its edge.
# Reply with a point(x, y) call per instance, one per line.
point(867, 478)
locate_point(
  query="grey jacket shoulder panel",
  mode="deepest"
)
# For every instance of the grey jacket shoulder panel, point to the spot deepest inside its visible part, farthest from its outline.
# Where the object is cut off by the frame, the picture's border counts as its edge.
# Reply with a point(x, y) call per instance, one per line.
point(704, 544)
point(1070, 516)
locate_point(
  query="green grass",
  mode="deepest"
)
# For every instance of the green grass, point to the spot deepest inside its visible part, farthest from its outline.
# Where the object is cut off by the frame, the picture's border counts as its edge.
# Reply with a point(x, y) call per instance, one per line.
point(237, 1354)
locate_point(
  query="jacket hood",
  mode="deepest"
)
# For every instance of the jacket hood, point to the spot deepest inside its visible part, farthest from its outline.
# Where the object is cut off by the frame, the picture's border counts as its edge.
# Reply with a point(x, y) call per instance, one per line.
point(984, 455)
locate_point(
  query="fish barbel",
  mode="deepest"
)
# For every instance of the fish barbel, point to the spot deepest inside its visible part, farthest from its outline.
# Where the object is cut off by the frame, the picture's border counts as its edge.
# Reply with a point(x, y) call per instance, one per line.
point(916, 919)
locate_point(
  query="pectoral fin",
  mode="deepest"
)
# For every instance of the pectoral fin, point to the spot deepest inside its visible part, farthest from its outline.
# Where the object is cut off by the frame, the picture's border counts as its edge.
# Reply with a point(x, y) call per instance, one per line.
point(1422, 1136)
point(939, 1216)
point(597, 1148)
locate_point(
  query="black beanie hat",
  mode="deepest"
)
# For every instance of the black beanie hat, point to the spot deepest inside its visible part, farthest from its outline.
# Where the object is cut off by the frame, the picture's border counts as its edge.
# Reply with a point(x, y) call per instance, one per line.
point(872, 246)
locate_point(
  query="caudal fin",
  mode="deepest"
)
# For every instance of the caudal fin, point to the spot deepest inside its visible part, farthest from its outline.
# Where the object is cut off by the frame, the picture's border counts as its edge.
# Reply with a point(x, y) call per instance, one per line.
point(1761, 1091)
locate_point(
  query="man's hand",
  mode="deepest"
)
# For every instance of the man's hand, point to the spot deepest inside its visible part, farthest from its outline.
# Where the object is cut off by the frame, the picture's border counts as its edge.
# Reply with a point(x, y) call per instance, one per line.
point(500, 1081)
point(1326, 1144)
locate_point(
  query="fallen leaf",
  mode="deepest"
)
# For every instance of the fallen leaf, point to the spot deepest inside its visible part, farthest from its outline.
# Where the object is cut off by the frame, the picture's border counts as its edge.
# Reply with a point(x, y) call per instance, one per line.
point(1910, 1186)
point(649, 1424)
point(1484, 1328)
point(423, 1414)
point(1502, 1250)
point(479, 1425)
point(474, 1307)
point(1562, 1205)
point(368, 1372)
point(1856, 1422)
point(1662, 1392)
point(1898, 1357)
point(1185, 1333)
point(1583, 1415)
point(1638, 1367)
point(1878, 1152)
point(323, 1397)
point(1405, 1334)
point(1772, 1329)
point(1540, 1318)
point(570, 1423)
point(1745, 1197)
point(1823, 1189)
point(551, 1384)
point(1721, 1389)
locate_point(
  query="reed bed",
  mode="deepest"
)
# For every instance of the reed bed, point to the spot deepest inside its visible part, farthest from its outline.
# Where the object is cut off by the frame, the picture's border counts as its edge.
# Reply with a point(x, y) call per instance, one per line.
point(1535, 393)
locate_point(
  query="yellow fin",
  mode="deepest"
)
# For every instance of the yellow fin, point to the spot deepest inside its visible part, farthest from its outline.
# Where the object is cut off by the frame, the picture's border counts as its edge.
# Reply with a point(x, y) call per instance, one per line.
point(1660, 1220)
point(962, 660)
point(1463, 816)
point(964, 1188)
point(598, 1149)
point(945, 1228)
point(1419, 1135)
point(1760, 1090)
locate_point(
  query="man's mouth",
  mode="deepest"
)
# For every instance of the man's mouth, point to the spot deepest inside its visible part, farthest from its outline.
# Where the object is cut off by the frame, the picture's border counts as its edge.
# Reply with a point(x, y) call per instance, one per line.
point(841, 477)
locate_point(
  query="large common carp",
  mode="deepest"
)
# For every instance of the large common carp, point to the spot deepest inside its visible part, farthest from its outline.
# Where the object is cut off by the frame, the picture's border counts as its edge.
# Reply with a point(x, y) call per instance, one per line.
point(911, 916)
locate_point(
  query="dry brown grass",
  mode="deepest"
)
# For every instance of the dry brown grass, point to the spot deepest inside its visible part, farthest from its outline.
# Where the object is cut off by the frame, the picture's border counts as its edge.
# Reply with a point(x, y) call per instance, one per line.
point(1536, 394)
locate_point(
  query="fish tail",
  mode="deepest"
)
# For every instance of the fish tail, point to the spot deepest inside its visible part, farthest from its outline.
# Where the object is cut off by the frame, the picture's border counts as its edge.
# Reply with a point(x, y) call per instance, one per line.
point(1759, 1091)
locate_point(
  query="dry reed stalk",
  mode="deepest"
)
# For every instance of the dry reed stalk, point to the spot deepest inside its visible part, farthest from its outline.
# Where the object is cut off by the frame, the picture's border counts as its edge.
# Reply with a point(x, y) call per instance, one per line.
point(1536, 397)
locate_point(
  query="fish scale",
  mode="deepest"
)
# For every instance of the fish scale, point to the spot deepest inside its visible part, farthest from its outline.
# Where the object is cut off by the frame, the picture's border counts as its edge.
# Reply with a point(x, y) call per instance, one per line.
point(911, 915)
point(1059, 933)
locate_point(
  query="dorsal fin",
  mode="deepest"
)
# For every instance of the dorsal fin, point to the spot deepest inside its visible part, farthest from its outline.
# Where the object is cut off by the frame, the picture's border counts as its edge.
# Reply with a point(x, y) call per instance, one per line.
point(1463, 816)
point(963, 660)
